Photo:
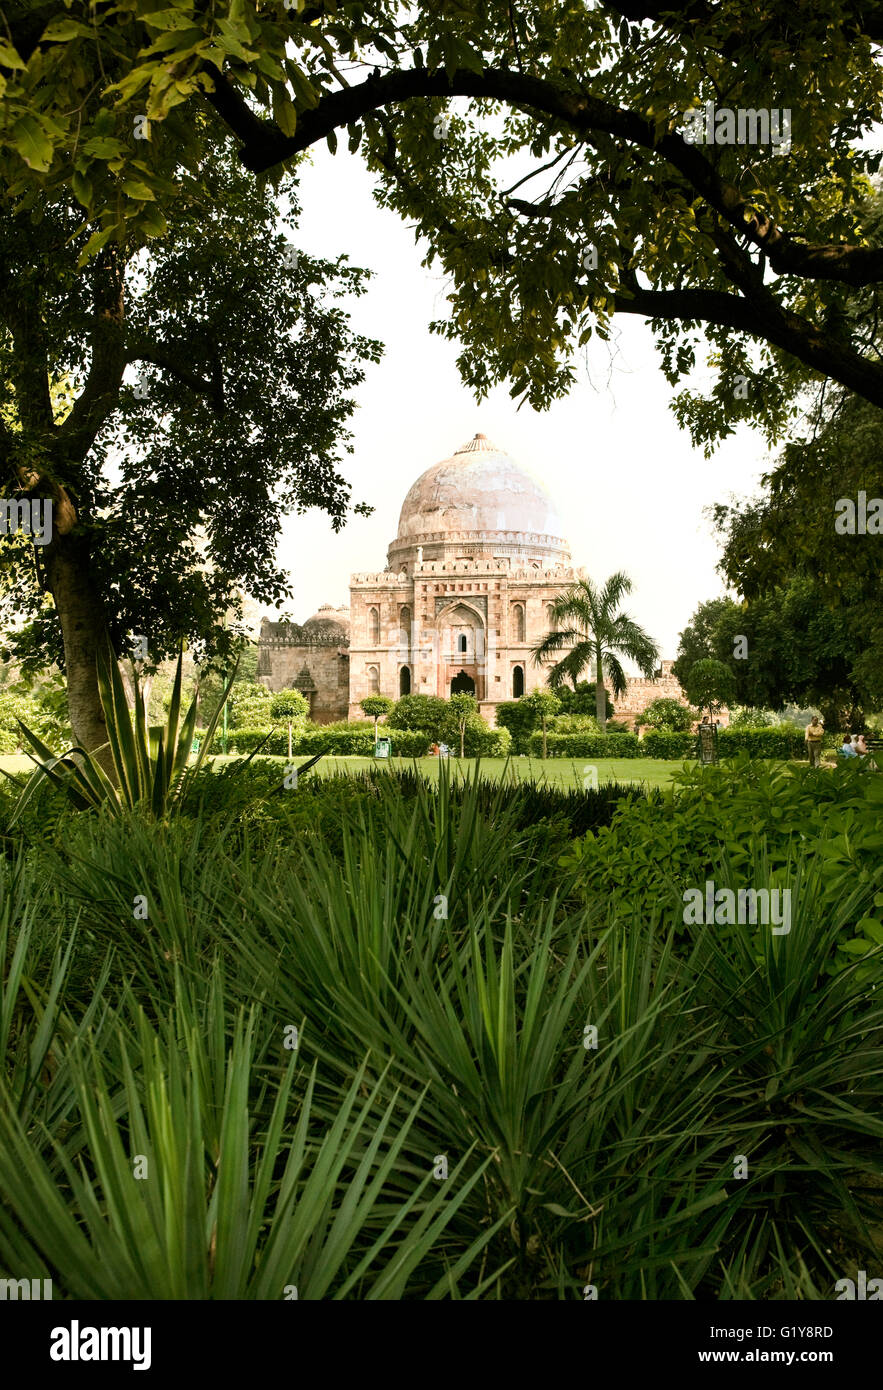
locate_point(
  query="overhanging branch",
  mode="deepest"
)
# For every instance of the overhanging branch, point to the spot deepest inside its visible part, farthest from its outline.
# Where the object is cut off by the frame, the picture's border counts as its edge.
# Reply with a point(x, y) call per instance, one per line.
point(264, 145)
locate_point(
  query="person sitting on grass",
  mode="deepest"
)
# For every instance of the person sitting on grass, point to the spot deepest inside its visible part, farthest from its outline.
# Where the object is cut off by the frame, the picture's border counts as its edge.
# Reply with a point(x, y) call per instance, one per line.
point(847, 750)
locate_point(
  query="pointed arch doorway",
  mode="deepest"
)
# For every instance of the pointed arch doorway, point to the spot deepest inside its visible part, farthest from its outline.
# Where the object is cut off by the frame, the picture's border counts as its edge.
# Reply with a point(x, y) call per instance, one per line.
point(462, 682)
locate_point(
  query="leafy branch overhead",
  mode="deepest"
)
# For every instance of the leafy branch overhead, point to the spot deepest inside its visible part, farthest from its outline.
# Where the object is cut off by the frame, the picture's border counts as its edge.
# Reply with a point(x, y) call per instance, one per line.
point(558, 191)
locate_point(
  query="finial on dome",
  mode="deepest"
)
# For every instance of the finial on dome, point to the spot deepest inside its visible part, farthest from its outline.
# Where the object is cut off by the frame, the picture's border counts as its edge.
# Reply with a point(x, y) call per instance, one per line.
point(478, 442)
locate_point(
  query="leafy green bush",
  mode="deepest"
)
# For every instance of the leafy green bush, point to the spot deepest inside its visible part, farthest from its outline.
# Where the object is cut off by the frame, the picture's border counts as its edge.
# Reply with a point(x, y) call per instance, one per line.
point(722, 818)
point(750, 717)
point(249, 705)
point(482, 742)
point(269, 738)
point(575, 724)
point(289, 704)
point(581, 700)
point(349, 726)
point(428, 713)
point(658, 743)
point(586, 745)
point(346, 741)
point(520, 719)
point(10, 742)
point(408, 743)
point(779, 741)
point(43, 711)
point(668, 716)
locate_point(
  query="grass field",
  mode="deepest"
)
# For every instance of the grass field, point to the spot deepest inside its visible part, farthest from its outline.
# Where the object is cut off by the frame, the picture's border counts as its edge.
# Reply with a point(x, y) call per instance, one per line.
point(555, 772)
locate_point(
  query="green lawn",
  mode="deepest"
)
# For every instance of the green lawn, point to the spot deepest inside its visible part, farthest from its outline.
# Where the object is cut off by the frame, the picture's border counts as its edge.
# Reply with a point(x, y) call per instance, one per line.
point(556, 772)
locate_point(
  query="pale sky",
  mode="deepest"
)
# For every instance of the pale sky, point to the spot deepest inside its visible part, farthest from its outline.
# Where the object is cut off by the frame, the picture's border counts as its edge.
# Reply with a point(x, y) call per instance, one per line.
point(627, 482)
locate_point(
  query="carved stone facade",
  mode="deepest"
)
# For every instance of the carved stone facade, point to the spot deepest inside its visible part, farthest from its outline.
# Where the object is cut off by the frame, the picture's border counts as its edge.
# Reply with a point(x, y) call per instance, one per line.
point(478, 560)
point(312, 657)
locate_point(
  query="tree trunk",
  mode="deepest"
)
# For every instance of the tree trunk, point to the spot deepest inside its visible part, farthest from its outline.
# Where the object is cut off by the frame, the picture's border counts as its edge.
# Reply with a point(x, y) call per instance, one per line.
point(544, 738)
point(600, 696)
point(83, 629)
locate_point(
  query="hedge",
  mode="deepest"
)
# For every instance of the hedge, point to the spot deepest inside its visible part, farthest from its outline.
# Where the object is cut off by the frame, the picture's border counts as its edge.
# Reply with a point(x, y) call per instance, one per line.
point(484, 743)
point(780, 741)
point(586, 745)
point(406, 743)
point(657, 743)
point(777, 741)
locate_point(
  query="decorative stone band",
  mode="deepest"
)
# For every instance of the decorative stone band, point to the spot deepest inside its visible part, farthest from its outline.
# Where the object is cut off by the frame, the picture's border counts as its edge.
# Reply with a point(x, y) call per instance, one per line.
point(391, 579)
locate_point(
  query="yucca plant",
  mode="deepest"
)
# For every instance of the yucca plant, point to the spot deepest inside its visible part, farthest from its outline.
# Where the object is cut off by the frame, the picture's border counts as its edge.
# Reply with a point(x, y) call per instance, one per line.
point(181, 1191)
point(152, 769)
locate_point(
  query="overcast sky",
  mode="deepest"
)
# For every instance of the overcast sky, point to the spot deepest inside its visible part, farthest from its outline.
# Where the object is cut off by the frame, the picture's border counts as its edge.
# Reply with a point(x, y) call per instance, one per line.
point(626, 480)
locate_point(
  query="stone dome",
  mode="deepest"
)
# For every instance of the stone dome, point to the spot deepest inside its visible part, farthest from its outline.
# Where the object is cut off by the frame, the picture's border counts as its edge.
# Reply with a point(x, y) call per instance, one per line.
point(478, 500)
point(330, 613)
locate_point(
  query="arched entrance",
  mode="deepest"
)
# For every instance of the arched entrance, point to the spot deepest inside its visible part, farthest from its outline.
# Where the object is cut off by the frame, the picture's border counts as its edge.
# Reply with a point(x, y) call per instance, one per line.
point(517, 682)
point(462, 682)
point(405, 680)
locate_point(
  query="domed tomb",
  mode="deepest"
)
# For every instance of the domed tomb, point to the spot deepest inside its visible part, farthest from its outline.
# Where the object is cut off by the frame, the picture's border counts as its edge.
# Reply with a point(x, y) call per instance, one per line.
point(328, 621)
point(477, 502)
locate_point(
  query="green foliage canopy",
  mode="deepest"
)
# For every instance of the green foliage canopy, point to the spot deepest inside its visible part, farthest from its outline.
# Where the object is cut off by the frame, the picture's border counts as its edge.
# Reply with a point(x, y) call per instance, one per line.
point(441, 102)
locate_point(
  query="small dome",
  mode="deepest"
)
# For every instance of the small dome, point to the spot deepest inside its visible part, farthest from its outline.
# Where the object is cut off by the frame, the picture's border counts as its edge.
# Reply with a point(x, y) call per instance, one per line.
point(330, 613)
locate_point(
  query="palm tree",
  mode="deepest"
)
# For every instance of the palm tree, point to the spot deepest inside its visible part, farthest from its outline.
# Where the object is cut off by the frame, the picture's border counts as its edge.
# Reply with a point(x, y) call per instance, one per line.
point(588, 621)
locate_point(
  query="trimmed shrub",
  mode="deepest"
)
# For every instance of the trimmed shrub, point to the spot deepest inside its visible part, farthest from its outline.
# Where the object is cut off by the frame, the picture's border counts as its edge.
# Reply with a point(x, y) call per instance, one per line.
point(781, 741)
point(576, 724)
point(428, 713)
point(289, 704)
point(341, 741)
point(488, 743)
point(350, 726)
point(656, 743)
point(586, 745)
point(247, 740)
point(407, 743)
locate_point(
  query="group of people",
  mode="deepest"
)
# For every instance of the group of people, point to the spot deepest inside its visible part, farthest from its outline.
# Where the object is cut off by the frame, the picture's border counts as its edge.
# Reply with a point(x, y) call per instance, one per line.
point(853, 747)
point(850, 747)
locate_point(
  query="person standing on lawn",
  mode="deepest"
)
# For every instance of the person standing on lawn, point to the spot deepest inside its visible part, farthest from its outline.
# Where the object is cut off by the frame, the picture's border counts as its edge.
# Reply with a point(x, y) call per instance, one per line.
point(813, 736)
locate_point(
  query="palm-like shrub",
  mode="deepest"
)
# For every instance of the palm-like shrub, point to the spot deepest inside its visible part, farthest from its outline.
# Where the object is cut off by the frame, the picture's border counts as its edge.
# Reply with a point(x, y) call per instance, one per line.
point(150, 766)
point(588, 1068)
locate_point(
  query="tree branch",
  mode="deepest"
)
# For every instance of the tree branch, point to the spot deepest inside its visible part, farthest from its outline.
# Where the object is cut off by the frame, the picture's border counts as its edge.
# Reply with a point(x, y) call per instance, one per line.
point(767, 321)
point(212, 387)
point(755, 311)
point(264, 145)
point(108, 359)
